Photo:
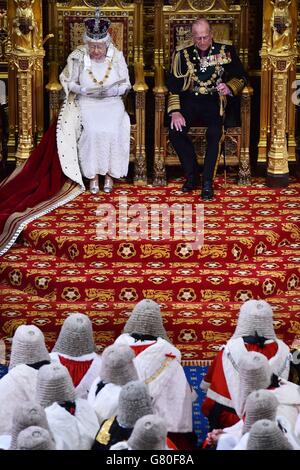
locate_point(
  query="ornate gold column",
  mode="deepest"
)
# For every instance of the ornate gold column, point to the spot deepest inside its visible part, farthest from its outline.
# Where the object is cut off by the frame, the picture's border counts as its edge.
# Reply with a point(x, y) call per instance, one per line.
point(23, 66)
point(282, 56)
point(291, 121)
point(278, 169)
point(25, 56)
point(265, 91)
point(139, 53)
point(278, 54)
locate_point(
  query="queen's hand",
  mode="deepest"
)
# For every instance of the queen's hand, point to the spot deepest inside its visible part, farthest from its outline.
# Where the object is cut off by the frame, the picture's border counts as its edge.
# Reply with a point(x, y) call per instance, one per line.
point(110, 92)
point(116, 90)
point(79, 90)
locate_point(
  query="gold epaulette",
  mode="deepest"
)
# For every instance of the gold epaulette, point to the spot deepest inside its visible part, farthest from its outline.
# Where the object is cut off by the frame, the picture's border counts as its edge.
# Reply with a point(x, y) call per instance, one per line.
point(236, 85)
point(184, 45)
point(173, 103)
point(103, 435)
point(227, 42)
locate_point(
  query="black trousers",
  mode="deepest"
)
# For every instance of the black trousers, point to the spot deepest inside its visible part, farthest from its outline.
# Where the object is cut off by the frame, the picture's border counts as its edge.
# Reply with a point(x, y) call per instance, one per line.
point(205, 108)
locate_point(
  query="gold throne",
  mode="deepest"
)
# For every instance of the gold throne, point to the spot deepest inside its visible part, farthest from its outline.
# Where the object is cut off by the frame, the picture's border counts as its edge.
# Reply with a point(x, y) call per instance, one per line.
point(66, 21)
point(173, 28)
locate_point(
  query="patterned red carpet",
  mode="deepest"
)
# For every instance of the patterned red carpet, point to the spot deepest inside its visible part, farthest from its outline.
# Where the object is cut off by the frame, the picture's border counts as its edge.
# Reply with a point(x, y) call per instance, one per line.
point(251, 250)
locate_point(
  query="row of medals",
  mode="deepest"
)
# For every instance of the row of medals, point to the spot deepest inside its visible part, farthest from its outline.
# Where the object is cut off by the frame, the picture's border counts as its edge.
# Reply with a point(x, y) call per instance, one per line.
point(204, 63)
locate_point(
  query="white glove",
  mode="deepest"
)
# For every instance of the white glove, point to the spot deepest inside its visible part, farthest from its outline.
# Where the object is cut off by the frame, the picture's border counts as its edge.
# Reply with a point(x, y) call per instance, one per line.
point(116, 90)
point(84, 91)
point(74, 87)
point(79, 90)
point(124, 88)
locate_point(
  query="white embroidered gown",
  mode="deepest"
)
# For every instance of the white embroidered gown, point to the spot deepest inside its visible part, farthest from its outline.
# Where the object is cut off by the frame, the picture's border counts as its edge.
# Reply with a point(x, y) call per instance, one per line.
point(104, 143)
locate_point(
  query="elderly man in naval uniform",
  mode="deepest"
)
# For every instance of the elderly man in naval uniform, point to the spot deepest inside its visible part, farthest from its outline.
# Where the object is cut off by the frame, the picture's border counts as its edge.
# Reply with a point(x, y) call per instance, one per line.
point(204, 78)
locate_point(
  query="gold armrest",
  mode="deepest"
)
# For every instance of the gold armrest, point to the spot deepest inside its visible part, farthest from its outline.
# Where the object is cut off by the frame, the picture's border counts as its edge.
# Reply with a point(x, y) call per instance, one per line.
point(247, 90)
point(53, 84)
point(159, 80)
point(140, 84)
point(49, 36)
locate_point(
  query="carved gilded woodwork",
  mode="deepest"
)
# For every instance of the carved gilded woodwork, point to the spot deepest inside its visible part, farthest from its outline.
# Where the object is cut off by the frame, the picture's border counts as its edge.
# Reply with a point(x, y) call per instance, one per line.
point(26, 24)
point(25, 53)
point(277, 111)
point(278, 154)
point(281, 37)
point(173, 28)
point(24, 67)
point(3, 34)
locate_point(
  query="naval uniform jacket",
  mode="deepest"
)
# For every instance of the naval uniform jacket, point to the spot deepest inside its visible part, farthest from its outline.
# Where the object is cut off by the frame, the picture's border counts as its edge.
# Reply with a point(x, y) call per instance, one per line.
point(191, 73)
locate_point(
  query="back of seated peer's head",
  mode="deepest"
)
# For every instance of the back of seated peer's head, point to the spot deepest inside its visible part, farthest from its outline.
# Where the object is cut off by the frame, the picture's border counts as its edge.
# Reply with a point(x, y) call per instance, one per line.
point(254, 374)
point(35, 438)
point(255, 317)
point(28, 346)
point(54, 385)
point(117, 365)
point(266, 435)
point(134, 402)
point(149, 433)
point(146, 319)
point(75, 338)
point(28, 413)
point(260, 404)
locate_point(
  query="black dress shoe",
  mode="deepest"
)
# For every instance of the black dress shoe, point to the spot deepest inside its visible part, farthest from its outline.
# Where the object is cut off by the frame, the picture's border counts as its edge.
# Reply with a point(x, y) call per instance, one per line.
point(207, 192)
point(190, 185)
